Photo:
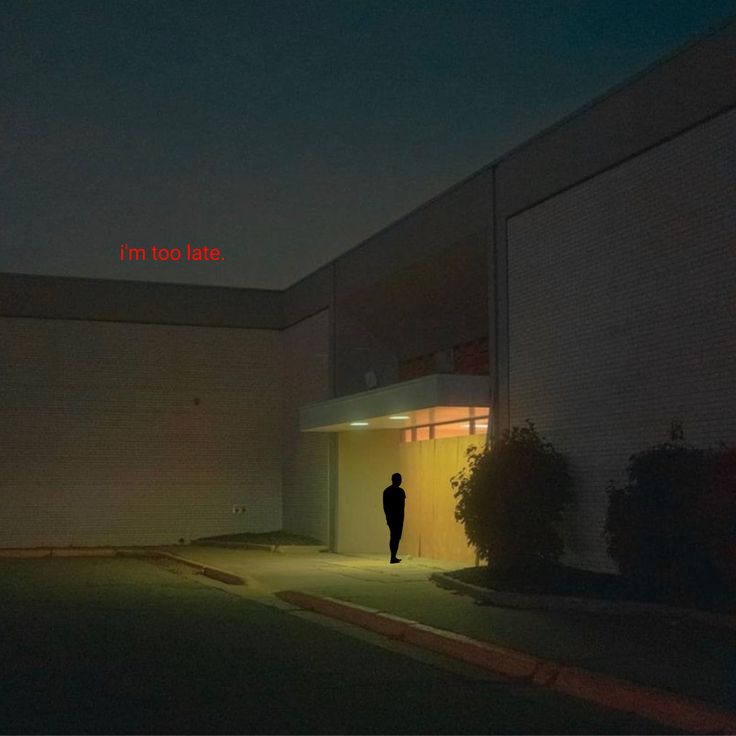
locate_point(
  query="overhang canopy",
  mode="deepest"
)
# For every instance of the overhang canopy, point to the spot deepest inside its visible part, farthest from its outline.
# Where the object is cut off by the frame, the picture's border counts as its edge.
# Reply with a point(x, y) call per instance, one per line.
point(442, 397)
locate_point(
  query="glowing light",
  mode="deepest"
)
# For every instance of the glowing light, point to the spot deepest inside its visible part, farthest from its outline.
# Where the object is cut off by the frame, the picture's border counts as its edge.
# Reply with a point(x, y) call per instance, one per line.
point(400, 416)
point(358, 424)
point(421, 433)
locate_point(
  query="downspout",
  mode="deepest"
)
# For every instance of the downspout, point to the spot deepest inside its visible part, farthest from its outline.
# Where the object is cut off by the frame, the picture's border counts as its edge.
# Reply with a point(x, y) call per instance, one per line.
point(492, 433)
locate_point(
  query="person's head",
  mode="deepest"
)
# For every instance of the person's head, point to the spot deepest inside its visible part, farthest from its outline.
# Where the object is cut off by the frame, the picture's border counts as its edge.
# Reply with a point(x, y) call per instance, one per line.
point(396, 479)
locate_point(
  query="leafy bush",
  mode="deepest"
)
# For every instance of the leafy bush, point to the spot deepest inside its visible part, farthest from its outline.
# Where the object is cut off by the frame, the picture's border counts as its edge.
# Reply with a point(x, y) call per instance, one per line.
point(511, 498)
point(717, 512)
point(668, 525)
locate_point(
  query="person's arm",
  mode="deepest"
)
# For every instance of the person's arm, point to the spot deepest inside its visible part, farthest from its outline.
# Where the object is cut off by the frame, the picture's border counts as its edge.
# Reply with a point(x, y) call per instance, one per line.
point(385, 504)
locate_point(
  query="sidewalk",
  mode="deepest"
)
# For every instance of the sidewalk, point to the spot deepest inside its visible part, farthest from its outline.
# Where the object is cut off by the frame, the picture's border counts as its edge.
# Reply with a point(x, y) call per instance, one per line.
point(685, 657)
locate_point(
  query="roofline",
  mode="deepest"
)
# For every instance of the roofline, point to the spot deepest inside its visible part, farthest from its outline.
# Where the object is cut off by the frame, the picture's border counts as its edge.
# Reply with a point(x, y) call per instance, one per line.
point(597, 100)
point(177, 284)
point(610, 92)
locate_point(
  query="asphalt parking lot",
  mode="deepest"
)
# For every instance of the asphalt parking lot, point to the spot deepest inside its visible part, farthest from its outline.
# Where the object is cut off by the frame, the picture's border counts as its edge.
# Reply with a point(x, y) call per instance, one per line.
point(117, 645)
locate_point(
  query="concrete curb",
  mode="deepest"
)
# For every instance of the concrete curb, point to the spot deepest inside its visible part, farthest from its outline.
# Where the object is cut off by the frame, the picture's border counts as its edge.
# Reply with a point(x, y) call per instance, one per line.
point(368, 618)
point(506, 599)
point(37, 552)
point(664, 707)
point(82, 552)
point(236, 545)
point(215, 573)
point(25, 553)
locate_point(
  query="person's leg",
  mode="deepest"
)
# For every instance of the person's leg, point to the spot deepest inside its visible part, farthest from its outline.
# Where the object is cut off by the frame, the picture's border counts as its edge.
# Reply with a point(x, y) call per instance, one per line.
point(393, 544)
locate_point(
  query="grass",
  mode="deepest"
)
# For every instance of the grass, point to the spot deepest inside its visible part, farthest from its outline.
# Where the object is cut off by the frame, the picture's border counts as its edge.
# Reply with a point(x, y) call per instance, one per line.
point(568, 581)
point(279, 536)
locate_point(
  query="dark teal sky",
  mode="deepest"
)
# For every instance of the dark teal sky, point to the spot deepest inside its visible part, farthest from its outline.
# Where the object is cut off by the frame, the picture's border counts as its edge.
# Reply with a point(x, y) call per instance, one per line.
point(281, 132)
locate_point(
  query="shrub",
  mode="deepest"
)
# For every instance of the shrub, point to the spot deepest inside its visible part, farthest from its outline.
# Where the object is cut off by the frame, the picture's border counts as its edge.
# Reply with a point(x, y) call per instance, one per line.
point(717, 513)
point(667, 526)
point(510, 500)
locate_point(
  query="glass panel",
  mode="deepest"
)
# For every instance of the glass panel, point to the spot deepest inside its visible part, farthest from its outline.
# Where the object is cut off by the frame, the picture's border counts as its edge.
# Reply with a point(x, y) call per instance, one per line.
point(457, 429)
point(481, 425)
point(422, 433)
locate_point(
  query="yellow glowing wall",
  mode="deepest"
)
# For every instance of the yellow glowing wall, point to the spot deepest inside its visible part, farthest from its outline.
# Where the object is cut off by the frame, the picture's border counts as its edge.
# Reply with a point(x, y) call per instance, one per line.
point(430, 528)
point(366, 462)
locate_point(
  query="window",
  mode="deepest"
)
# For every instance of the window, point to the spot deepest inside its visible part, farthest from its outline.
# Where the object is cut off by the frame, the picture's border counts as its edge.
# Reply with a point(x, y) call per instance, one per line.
point(476, 425)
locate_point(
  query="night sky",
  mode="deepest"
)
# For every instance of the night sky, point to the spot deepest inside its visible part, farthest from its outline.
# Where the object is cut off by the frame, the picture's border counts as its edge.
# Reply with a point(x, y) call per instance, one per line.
point(282, 133)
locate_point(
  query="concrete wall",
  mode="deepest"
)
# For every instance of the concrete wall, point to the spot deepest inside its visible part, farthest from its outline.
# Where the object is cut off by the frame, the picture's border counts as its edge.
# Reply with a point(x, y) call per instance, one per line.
point(306, 455)
point(99, 401)
point(365, 465)
point(673, 96)
point(418, 286)
point(366, 462)
point(621, 312)
point(357, 352)
point(107, 402)
point(119, 433)
point(309, 295)
point(111, 300)
point(449, 218)
point(431, 305)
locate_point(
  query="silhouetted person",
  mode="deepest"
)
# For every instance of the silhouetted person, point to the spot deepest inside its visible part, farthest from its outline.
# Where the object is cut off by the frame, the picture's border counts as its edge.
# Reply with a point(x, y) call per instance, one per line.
point(393, 506)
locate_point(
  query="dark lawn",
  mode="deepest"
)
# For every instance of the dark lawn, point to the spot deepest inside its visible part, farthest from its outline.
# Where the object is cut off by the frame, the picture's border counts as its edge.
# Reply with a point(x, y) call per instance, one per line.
point(567, 581)
point(274, 537)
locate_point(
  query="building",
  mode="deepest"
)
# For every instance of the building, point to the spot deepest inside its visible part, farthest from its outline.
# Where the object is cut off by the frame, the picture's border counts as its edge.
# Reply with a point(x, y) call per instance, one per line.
point(585, 280)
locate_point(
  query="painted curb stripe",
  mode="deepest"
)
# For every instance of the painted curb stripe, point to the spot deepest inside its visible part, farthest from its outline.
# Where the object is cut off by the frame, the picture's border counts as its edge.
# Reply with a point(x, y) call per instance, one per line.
point(507, 662)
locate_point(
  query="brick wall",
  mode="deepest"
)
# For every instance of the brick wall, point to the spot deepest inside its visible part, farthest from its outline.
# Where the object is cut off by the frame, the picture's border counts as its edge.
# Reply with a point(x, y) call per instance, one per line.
point(469, 357)
point(305, 461)
point(621, 298)
point(119, 433)
point(421, 365)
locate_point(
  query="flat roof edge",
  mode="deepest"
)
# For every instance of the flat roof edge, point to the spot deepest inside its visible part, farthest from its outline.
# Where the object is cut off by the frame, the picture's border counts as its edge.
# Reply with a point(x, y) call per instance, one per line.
point(438, 389)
